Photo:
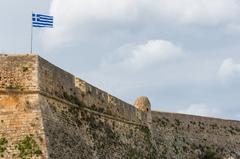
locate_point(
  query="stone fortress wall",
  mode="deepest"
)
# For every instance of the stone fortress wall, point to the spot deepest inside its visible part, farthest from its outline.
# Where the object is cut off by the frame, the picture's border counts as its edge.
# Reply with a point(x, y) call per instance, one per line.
point(63, 116)
point(20, 114)
point(35, 95)
point(29, 73)
point(188, 136)
point(55, 82)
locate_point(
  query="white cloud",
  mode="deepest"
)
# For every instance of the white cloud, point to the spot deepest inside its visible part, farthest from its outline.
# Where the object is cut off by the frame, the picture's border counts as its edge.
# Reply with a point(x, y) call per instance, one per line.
point(229, 69)
point(94, 19)
point(144, 55)
point(203, 12)
point(202, 110)
point(80, 20)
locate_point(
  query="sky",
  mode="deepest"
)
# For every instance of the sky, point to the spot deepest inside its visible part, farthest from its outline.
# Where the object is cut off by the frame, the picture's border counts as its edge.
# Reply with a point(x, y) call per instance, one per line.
point(183, 55)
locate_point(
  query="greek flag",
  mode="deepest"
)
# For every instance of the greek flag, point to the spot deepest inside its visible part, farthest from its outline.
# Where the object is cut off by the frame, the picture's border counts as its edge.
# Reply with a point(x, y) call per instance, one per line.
point(40, 20)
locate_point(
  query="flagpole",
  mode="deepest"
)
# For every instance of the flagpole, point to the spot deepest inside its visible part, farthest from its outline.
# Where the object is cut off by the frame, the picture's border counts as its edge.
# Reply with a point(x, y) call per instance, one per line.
point(31, 35)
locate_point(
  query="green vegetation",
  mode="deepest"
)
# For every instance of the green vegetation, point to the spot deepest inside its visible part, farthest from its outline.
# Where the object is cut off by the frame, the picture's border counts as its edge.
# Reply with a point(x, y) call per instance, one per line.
point(28, 147)
point(3, 148)
point(147, 132)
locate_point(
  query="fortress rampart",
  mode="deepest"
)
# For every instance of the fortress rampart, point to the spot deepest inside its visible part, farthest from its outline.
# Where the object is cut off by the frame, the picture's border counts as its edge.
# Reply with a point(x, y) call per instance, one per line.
point(31, 73)
point(62, 116)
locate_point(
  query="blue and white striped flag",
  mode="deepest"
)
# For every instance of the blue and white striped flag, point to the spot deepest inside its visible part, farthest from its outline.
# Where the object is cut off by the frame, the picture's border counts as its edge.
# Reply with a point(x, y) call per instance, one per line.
point(40, 20)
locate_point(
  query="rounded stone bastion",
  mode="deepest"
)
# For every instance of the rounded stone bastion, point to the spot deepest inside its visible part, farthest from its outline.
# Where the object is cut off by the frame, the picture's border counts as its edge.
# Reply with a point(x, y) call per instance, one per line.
point(142, 103)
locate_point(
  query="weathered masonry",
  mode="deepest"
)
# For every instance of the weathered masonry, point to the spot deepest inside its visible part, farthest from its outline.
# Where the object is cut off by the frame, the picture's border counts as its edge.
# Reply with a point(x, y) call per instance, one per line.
point(46, 112)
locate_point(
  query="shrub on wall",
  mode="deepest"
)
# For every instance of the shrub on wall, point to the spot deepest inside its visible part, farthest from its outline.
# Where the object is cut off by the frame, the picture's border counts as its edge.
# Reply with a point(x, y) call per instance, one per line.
point(28, 147)
point(3, 143)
